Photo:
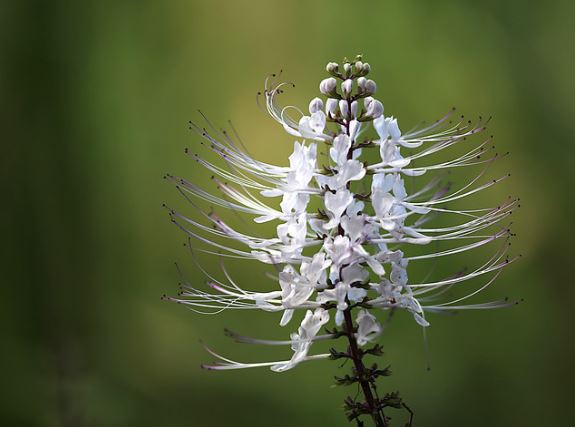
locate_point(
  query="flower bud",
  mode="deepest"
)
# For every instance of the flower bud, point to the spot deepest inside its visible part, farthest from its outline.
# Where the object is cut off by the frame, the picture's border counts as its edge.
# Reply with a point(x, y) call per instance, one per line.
point(346, 87)
point(366, 68)
point(358, 66)
point(370, 87)
point(354, 108)
point(347, 69)
point(344, 108)
point(327, 86)
point(315, 105)
point(367, 102)
point(331, 106)
point(361, 83)
point(374, 109)
point(331, 67)
point(354, 127)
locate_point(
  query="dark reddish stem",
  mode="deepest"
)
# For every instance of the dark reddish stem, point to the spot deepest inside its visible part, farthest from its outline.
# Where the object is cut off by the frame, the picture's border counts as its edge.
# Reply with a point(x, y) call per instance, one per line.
point(354, 352)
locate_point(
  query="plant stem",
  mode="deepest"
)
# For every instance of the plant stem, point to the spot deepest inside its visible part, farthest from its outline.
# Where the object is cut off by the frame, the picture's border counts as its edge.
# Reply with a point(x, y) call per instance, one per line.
point(376, 414)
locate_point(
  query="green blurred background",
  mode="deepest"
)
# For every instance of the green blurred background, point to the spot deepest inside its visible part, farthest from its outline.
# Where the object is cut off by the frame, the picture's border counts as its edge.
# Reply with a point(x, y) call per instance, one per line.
point(95, 97)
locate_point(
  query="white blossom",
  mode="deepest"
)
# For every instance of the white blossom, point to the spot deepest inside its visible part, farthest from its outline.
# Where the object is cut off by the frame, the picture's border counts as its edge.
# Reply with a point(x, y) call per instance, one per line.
point(368, 327)
point(302, 340)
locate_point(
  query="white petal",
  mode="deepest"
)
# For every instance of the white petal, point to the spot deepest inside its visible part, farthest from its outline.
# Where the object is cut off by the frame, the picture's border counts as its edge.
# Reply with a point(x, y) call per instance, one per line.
point(356, 294)
point(339, 318)
point(368, 327)
point(331, 106)
point(286, 317)
point(344, 108)
point(315, 105)
point(337, 203)
point(354, 127)
point(380, 125)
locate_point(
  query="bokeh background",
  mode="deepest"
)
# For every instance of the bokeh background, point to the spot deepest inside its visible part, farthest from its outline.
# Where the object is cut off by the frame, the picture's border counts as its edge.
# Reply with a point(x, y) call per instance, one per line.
point(95, 97)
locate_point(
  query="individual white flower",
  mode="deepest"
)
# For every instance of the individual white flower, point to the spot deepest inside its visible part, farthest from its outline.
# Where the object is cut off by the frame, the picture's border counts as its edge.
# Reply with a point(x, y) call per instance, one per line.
point(389, 140)
point(335, 204)
point(302, 340)
point(340, 148)
point(312, 126)
point(298, 287)
point(368, 327)
point(295, 186)
point(294, 292)
point(293, 235)
point(388, 129)
point(390, 202)
point(349, 170)
point(342, 294)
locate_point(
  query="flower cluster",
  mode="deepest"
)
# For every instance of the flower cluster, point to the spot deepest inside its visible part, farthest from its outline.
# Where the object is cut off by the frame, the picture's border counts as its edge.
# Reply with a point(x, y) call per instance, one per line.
point(354, 251)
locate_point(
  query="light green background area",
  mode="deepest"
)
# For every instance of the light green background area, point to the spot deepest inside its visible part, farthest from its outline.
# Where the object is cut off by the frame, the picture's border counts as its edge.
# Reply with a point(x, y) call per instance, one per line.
point(95, 97)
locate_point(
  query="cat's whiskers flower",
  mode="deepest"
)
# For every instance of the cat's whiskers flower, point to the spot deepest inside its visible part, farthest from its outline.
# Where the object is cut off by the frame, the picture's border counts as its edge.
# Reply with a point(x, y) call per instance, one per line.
point(351, 255)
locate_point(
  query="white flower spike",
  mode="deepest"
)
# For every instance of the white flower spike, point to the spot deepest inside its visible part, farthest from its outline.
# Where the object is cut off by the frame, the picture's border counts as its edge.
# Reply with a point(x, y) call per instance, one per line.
point(347, 261)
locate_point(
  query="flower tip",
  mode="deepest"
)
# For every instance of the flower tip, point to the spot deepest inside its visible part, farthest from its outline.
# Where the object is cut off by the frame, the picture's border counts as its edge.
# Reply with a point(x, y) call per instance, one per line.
point(208, 367)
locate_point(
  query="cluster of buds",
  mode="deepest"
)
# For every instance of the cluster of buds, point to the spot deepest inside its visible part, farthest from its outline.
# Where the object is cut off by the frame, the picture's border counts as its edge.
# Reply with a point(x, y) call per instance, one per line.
point(348, 260)
point(355, 90)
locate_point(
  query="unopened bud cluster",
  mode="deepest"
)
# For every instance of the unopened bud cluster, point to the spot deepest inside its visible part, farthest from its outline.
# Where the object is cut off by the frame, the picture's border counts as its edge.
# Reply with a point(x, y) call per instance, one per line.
point(353, 99)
